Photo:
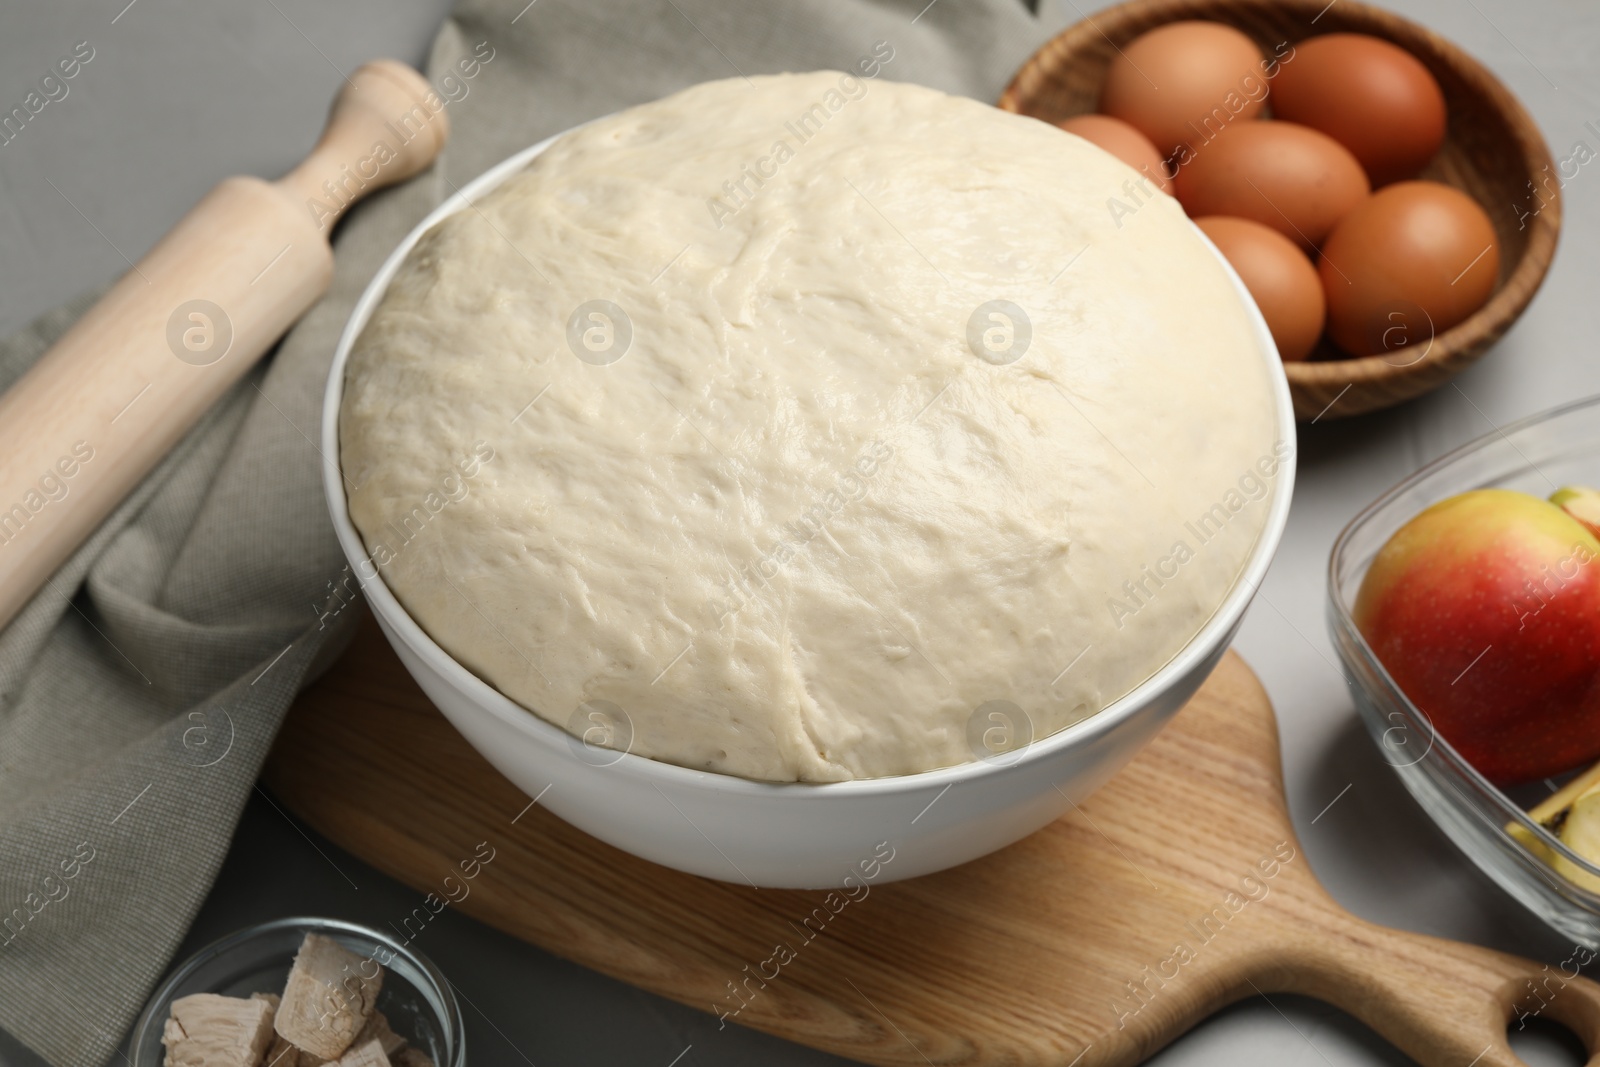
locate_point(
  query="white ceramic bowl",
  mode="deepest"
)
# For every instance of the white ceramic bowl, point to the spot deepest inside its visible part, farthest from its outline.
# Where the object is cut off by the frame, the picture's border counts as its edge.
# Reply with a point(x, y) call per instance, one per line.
point(794, 835)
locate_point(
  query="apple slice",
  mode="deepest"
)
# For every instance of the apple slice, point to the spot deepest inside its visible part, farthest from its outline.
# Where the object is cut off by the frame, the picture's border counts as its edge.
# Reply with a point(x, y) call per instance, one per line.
point(1582, 503)
point(1581, 833)
point(1550, 810)
point(1566, 796)
point(1572, 813)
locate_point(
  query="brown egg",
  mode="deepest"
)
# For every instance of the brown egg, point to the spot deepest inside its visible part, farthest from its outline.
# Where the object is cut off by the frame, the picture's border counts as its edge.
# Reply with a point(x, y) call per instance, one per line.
point(1411, 261)
point(1279, 277)
point(1373, 97)
point(1124, 142)
point(1292, 178)
point(1185, 81)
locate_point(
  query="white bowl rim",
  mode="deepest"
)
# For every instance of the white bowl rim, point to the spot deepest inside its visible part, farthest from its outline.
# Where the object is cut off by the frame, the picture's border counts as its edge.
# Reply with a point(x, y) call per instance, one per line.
point(526, 721)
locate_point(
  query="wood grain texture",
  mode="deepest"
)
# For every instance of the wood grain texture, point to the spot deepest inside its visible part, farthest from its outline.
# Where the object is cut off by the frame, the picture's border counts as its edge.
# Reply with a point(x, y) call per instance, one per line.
point(1062, 949)
point(1492, 151)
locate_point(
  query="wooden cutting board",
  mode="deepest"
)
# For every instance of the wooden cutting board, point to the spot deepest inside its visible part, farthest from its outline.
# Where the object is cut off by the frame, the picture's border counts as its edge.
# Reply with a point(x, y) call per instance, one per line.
point(1175, 890)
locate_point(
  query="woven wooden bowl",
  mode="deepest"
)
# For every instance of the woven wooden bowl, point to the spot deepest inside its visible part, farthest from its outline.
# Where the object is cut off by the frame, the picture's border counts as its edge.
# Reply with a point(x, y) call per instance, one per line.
point(1492, 151)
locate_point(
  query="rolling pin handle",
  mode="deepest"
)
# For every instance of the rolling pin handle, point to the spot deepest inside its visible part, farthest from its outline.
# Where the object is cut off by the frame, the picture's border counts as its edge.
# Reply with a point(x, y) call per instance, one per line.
point(141, 366)
point(386, 125)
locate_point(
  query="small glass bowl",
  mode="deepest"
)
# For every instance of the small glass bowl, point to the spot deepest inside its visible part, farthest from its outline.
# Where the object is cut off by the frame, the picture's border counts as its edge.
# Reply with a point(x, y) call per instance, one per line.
point(1536, 455)
point(416, 998)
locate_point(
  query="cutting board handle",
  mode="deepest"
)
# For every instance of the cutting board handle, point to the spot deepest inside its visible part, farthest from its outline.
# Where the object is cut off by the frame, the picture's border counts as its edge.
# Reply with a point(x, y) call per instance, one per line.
point(1444, 1003)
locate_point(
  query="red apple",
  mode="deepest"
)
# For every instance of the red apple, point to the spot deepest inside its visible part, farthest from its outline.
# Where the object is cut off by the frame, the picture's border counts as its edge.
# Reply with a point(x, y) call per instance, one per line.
point(1485, 610)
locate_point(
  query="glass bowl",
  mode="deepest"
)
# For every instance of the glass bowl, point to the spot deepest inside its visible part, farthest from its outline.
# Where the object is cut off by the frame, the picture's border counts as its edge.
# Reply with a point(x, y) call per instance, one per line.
point(416, 998)
point(1536, 455)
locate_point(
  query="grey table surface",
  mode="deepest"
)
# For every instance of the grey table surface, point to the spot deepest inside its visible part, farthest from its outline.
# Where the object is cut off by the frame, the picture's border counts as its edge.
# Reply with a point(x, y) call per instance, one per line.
point(184, 92)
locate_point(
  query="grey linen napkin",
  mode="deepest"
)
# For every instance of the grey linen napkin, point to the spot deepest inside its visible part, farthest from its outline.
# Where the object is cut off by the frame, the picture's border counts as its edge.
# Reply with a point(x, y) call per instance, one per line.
point(141, 689)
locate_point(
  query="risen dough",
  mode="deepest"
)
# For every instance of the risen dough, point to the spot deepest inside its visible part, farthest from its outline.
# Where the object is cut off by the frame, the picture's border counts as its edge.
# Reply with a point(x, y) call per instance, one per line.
point(820, 515)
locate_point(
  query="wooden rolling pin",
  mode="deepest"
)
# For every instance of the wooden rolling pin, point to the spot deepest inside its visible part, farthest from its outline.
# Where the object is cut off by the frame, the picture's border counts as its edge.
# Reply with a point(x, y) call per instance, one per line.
point(117, 391)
